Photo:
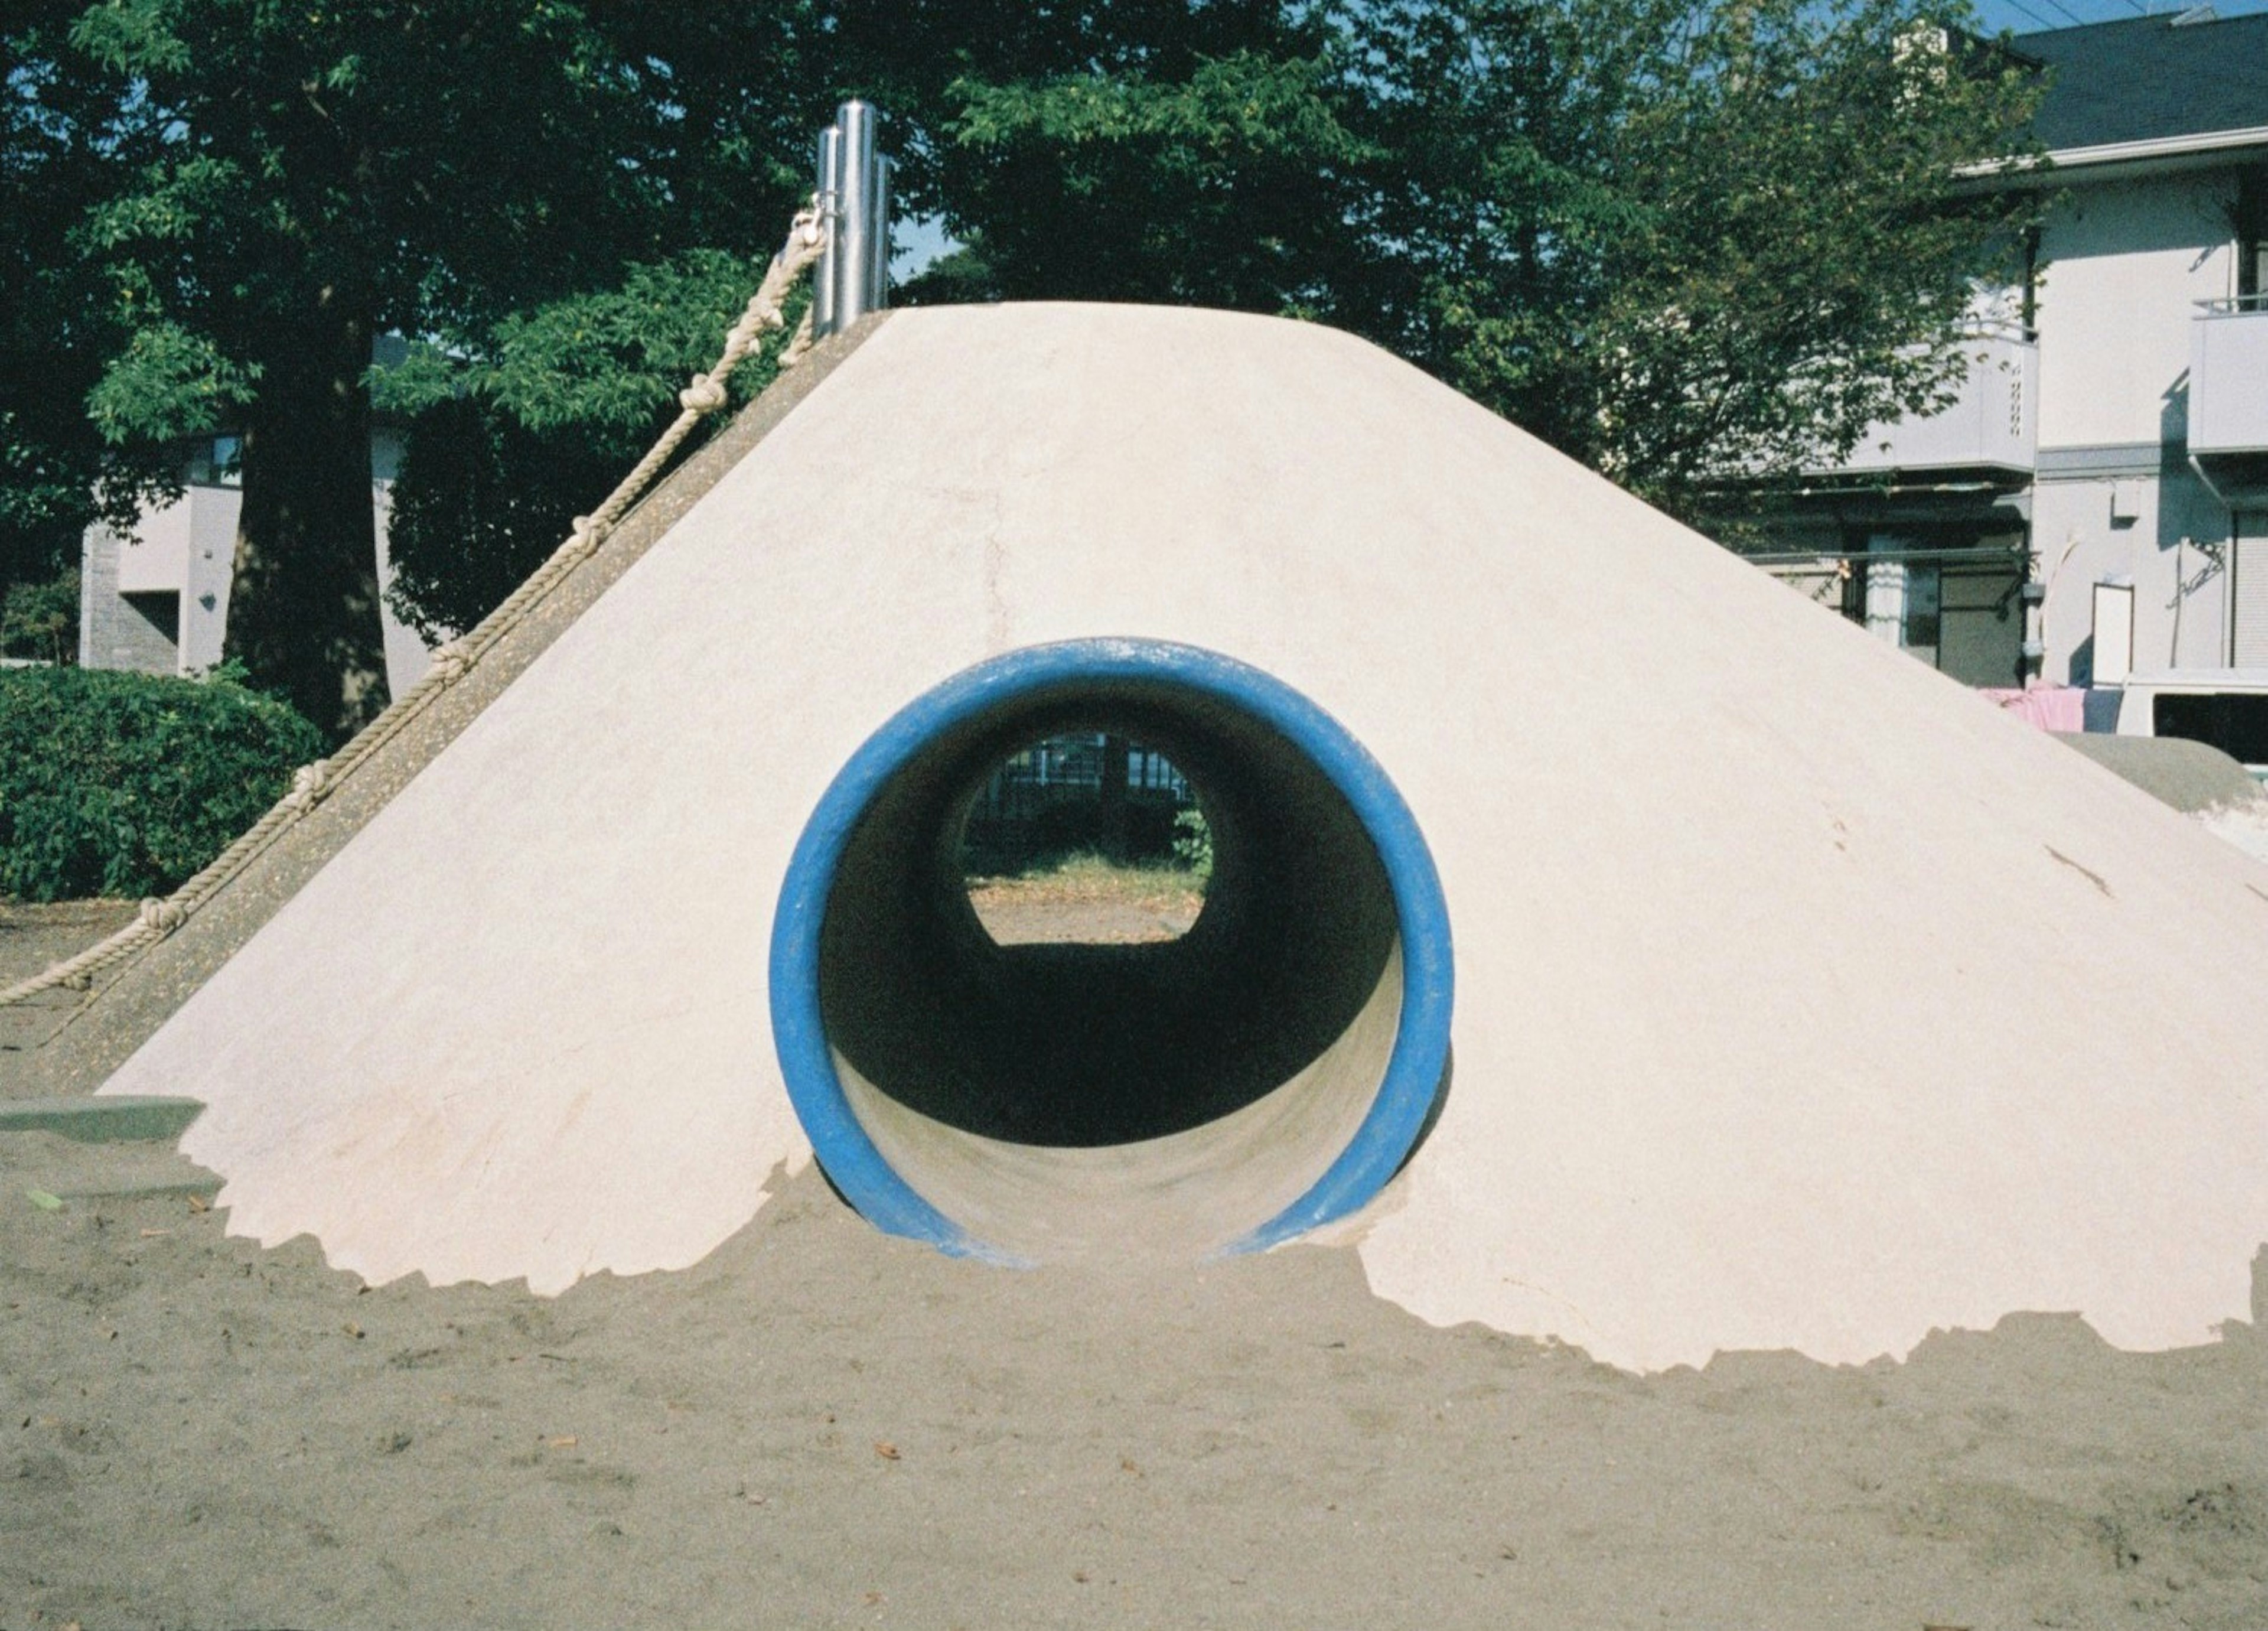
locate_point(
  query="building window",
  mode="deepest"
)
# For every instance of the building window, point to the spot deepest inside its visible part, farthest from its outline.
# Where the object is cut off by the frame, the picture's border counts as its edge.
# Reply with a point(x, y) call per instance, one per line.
point(2236, 722)
point(1945, 597)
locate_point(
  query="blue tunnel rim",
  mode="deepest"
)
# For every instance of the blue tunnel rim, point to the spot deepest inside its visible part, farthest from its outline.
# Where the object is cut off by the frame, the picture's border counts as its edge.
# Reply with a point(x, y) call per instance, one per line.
point(1412, 1081)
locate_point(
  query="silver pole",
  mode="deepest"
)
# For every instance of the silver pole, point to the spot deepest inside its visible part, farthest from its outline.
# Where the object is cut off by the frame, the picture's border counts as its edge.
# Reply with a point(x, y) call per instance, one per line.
point(830, 217)
point(853, 276)
point(854, 242)
point(878, 266)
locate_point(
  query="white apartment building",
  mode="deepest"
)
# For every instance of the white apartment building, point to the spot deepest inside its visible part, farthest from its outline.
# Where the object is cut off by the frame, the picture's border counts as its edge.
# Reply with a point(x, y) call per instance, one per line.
point(155, 600)
point(2093, 512)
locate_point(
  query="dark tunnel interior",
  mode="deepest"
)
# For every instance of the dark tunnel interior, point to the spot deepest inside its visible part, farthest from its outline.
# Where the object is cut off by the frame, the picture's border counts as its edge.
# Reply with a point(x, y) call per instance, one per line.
point(1081, 1045)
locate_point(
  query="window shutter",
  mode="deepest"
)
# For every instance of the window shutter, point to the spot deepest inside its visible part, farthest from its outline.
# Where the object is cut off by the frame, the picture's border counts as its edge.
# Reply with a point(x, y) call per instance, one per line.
point(2248, 639)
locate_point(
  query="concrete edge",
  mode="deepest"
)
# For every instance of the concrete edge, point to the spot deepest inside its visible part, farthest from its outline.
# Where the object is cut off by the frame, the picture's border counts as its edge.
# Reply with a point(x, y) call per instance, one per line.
point(86, 1120)
point(125, 1010)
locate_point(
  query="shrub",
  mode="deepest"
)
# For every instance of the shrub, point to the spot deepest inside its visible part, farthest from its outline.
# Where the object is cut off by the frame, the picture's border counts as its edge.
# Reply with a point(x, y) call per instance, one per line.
point(1193, 843)
point(126, 783)
point(39, 619)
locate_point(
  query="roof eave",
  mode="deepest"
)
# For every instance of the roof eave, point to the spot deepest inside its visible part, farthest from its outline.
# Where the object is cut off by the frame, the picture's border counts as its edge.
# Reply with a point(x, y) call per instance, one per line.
point(2195, 149)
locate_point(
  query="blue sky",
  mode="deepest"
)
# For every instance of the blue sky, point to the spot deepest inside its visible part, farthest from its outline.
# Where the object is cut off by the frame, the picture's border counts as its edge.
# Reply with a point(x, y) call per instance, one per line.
point(2029, 16)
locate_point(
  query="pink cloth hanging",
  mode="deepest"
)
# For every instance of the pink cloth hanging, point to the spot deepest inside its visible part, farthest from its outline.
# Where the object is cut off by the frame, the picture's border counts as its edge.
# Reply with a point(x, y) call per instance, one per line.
point(2044, 707)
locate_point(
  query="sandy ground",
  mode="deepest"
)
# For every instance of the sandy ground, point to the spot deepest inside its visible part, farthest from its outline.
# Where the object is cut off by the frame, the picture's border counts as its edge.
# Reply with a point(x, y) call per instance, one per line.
point(1120, 907)
point(819, 1426)
point(32, 938)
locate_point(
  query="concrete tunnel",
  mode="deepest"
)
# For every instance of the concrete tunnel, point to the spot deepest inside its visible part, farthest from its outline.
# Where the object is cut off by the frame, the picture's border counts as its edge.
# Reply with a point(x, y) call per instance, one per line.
point(1265, 1073)
point(1802, 1000)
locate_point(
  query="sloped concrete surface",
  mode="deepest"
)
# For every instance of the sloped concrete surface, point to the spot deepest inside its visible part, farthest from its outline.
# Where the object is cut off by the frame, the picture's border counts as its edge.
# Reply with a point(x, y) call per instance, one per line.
point(1803, 1001)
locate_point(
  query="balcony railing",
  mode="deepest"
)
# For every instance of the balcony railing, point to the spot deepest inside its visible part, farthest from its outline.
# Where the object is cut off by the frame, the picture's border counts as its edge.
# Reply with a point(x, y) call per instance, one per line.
point(2228, 378)
point(1991, 423)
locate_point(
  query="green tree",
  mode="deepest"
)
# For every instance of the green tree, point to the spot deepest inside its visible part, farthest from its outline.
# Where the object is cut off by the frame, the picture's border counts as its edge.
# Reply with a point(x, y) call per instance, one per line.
point(520, 431)
point(1679, 241)
point(1687, 243)
point(56, 473)
point(38, 618)
point(1143, 152)
point(281, 184)
point(530, 418)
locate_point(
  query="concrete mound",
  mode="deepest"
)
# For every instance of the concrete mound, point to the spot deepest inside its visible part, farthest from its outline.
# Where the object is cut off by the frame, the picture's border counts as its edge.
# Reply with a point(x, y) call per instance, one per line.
point(2195, 777)
point(1800, 999)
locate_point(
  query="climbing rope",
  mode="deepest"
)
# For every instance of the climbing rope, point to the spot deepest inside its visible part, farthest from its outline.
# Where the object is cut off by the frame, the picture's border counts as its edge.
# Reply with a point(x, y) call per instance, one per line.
point(312, 783)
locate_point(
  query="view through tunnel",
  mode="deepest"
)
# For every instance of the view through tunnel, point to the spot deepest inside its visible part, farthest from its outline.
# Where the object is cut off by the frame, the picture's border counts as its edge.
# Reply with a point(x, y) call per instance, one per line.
point(1257, 1075)
point(1088, 836)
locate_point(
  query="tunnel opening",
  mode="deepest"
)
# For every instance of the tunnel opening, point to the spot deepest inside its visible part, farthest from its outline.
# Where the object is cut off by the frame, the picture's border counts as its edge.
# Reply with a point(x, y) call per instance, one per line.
point(1248, 1080)
point(1088, 836)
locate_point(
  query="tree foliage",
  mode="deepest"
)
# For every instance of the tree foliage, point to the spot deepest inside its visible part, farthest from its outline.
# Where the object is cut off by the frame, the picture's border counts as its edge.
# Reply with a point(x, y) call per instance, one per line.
point(1679, 241)
point(38, 618)
point(1232, 186)
point(1682, 240)
point(1683, 243)
point(281, 184)
point(510, 441)
point(57, 472)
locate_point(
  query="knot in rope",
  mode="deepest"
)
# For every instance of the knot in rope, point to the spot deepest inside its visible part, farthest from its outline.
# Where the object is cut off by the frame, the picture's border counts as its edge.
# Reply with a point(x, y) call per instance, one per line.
point(165, 915)
point(584, 536)
point(706, 394)
point(450, 662)
point(809, 223)
point(307, 786)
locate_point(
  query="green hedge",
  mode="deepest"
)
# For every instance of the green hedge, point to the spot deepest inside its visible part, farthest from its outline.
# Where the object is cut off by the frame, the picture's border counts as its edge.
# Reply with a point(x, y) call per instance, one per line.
point(126, 783)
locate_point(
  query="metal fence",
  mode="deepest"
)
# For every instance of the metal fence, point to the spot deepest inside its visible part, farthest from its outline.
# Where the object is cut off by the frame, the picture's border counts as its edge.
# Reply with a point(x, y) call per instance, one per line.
point(1057, 798)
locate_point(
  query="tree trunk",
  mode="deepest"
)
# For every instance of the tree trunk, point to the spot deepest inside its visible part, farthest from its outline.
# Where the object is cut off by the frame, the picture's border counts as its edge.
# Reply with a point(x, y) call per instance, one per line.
point(303, 612)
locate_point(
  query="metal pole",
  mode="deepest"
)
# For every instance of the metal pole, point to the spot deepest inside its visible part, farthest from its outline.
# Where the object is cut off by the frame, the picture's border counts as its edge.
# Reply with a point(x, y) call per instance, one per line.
point(830, 218)
point(854, 242)
point(853, 276)
point(878, 270)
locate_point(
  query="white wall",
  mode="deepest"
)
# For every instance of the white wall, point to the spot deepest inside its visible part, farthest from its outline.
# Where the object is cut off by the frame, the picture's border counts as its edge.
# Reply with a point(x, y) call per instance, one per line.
point(187, 549)
point(2229, 382)
point(209, 570)
point(2114, 498)
point(153, 558)
point(407, 658)
point(2127, 261)
point(2172, 551)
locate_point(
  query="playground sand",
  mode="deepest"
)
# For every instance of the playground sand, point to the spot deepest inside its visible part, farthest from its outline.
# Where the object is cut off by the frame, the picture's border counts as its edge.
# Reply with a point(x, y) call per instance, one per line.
point(32, 938)
point(819, 1426)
